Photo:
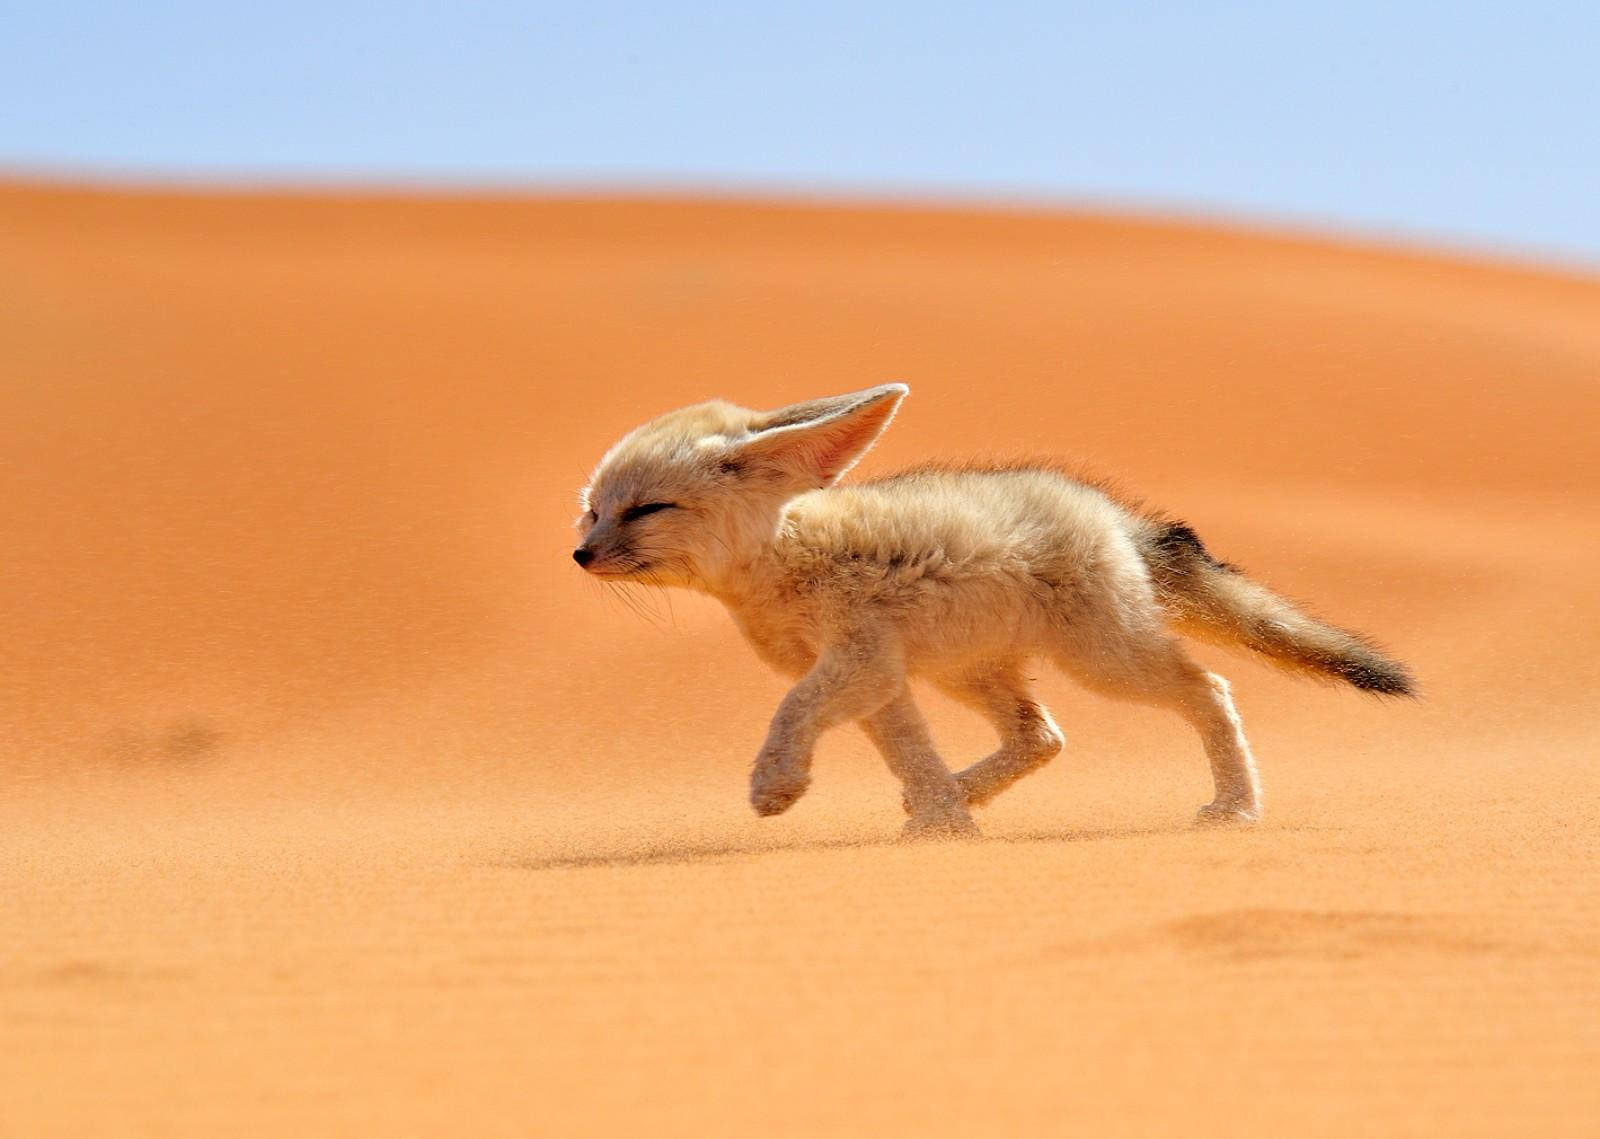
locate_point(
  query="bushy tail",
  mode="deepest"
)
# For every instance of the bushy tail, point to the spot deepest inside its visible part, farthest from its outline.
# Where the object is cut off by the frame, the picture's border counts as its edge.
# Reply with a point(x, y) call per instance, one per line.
point(1214, 601)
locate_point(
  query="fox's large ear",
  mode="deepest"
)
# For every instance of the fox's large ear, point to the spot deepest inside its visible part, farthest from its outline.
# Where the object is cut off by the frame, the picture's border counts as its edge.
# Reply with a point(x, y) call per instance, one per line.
point(819, 440)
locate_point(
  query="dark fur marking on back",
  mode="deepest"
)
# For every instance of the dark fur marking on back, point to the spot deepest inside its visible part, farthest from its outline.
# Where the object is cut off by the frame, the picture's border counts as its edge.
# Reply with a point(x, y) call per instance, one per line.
point(1177, 539)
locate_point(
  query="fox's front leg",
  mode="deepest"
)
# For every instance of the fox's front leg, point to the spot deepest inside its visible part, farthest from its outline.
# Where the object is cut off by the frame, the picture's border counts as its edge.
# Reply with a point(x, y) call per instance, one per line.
point(936, 803)
point(850, 680)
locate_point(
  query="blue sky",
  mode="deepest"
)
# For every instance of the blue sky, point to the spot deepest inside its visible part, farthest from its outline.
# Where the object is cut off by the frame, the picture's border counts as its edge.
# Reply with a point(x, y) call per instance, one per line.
point(1467, 124)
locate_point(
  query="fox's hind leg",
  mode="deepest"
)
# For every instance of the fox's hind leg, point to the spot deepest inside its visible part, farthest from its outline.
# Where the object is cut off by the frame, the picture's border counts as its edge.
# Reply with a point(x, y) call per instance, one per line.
point(1029, 738)
point(933, 798)
point(1154, 669)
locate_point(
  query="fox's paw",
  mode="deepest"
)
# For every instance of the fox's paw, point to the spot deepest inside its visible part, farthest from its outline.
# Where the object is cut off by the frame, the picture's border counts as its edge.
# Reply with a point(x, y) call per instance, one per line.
point(1230, 813)
point(773, 790)
point(939, 827)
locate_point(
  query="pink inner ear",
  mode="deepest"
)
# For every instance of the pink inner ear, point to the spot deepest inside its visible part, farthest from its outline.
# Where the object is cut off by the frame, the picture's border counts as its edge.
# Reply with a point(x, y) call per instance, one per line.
point(839, 449)
point(820, 452)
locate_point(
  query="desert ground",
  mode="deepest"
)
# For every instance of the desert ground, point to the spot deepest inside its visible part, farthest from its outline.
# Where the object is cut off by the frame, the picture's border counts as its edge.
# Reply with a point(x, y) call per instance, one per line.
point(334, 800)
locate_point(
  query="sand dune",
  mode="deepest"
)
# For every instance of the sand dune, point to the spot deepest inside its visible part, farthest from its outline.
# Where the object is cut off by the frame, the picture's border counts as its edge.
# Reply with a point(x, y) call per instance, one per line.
point(336, 801)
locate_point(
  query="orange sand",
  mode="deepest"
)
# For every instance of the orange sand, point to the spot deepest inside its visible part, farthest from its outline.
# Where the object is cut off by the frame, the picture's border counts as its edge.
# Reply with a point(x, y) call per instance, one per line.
point(336, 801)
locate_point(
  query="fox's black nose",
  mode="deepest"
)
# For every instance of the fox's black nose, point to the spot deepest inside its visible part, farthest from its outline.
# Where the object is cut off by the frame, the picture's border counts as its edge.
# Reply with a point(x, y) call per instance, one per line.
point(583, 555)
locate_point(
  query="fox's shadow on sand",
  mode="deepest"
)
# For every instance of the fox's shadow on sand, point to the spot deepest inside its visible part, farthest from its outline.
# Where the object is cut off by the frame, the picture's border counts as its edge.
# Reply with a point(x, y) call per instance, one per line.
point(667, 852)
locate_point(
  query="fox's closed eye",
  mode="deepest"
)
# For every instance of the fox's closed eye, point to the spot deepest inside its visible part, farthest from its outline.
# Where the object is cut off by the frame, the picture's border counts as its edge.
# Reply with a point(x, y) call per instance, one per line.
point(646, 508)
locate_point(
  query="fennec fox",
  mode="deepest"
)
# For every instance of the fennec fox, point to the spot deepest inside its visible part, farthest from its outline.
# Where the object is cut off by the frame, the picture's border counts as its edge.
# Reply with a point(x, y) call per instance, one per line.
point(958, 574)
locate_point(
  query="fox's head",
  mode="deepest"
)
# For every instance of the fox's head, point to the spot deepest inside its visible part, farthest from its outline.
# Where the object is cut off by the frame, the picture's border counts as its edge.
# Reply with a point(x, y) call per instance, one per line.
point(692, 495)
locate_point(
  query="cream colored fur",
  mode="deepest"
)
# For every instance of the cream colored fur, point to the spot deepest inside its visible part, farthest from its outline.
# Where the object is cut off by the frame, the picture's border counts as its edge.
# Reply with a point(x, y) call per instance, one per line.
point(961, 577)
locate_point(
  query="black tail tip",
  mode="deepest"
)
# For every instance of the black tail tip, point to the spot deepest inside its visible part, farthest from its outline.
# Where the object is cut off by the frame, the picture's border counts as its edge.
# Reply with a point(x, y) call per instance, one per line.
point(1381, 678)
